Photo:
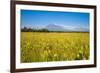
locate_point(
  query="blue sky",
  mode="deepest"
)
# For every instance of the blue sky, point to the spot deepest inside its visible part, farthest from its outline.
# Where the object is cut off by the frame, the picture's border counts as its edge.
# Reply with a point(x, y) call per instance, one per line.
point(36, 18)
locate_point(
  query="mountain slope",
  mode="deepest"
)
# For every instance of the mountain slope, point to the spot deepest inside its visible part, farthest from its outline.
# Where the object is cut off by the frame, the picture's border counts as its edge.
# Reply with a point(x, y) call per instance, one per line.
point(53, 27)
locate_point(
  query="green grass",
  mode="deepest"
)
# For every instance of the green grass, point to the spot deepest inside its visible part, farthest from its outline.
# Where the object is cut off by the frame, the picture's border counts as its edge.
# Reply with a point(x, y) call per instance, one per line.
point(53, 46)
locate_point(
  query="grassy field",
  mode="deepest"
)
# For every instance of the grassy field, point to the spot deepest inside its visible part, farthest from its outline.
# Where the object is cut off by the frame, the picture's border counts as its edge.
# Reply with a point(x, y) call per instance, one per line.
point(53, 46)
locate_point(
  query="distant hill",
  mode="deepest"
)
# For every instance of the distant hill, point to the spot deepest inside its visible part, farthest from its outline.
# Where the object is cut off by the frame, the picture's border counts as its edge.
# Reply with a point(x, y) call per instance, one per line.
point(53, 27)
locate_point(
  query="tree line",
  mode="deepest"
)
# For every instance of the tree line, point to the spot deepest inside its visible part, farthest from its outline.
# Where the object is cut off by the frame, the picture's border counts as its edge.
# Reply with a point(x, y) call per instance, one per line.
point(25, 29)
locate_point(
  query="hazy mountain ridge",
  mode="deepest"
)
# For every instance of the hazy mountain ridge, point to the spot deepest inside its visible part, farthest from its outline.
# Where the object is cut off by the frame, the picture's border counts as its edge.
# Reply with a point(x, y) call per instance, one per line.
point(55, 27)
point(52, 27)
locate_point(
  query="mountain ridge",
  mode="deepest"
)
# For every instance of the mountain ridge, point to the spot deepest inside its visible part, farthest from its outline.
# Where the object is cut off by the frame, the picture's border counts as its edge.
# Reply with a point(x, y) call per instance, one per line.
point(55, 27)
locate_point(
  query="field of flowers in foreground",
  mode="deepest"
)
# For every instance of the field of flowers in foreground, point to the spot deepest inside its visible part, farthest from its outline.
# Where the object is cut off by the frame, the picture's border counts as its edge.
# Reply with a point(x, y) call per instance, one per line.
point(53, 46)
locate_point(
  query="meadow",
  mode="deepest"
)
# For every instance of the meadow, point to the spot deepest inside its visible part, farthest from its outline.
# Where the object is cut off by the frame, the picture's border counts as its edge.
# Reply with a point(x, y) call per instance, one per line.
point(54, 46)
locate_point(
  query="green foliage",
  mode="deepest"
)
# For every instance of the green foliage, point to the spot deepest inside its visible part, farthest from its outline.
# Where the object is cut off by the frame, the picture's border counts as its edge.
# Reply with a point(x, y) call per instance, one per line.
point(53, 46)
point(25, 29)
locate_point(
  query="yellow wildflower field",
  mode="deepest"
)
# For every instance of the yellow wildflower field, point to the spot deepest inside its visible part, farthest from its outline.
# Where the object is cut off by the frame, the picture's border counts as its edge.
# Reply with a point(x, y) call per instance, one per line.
point(54, 46)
